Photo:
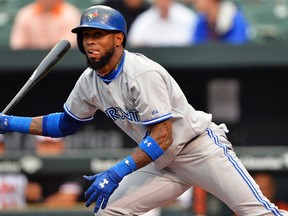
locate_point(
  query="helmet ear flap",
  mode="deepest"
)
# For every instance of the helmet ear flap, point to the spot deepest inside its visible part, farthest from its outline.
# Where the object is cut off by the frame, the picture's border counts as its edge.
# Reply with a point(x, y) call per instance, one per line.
point(80, 42)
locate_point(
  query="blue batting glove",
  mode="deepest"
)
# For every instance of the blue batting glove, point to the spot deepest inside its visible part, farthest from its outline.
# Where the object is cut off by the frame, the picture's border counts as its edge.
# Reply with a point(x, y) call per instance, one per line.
point(102, 188)
point(106, 182)
point(4, 126)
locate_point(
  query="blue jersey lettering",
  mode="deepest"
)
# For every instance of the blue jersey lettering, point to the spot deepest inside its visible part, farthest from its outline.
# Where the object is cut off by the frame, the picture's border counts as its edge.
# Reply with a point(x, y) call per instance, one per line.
point(117, 113)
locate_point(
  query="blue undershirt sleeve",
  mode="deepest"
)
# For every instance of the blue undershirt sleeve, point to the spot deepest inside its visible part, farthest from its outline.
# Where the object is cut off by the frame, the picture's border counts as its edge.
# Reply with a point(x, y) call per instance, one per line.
point(59, 125)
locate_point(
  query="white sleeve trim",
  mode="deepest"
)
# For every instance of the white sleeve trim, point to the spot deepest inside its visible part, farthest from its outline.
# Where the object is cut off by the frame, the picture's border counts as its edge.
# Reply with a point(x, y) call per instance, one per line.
point(159, 119)
point(75, 117)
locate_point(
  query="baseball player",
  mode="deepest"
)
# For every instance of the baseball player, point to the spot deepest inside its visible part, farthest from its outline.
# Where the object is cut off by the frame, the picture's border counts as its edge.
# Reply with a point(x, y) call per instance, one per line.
point(178, 146)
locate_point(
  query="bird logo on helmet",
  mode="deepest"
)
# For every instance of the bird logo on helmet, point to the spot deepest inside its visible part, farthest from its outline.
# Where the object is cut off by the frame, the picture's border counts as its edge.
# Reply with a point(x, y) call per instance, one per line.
point(91, 15)
point(101, 17)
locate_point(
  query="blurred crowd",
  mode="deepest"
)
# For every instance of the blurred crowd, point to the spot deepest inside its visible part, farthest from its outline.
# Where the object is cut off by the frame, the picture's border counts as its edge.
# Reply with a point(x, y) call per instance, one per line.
point(19, 189)
point(41, 23)
point(154, 23)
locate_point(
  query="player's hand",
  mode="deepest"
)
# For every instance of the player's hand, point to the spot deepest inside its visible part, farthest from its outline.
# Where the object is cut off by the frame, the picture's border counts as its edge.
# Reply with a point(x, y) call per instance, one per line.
point(3, 123)
point(102, 188)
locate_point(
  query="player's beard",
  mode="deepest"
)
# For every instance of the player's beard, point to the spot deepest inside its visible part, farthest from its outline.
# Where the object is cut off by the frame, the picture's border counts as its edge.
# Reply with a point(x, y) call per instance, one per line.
point(97, 65)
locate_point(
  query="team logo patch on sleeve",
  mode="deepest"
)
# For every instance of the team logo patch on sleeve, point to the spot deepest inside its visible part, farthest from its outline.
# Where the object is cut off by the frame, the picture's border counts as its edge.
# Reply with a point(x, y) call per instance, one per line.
point(155, 112)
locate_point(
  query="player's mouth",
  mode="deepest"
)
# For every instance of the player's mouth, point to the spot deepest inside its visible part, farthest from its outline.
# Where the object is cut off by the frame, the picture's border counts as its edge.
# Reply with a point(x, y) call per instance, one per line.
point(93, 53)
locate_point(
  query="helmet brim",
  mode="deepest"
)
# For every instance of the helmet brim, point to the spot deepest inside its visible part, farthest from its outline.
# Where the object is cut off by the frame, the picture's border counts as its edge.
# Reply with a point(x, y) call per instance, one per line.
point(94, 26)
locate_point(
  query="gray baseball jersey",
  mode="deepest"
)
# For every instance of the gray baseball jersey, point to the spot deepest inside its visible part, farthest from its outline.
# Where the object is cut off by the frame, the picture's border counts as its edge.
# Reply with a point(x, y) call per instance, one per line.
point(144, 93)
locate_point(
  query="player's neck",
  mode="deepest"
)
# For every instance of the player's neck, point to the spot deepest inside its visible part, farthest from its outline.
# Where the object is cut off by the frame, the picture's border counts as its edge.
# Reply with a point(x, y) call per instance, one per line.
point(108, 69)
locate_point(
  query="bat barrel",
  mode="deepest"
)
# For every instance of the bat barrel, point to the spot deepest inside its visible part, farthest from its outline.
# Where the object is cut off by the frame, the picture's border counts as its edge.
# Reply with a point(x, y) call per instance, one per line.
point(51, 59)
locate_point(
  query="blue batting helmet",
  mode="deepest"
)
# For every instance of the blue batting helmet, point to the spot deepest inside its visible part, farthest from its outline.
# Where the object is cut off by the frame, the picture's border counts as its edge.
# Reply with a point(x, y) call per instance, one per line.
point(100, 17)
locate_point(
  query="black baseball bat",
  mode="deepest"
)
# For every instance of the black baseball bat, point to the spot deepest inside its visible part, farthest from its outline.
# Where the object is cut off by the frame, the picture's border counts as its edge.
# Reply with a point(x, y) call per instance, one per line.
point(51, 59)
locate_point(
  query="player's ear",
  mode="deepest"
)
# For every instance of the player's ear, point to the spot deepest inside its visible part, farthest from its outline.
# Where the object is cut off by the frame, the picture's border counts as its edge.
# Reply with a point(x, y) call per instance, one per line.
point(119, 38)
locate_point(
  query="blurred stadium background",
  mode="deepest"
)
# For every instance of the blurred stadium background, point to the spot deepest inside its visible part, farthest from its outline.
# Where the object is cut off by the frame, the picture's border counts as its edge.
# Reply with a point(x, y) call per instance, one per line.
point(244, 86)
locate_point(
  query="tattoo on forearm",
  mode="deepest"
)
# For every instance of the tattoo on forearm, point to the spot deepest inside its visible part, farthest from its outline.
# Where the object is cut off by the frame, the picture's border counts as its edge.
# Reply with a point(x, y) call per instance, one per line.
point(162, 134)
point(36, 126)
point(141, 158)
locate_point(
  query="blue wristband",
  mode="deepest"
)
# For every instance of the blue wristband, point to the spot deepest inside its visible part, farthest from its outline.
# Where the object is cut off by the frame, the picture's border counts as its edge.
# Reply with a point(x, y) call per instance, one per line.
point(151, 148)
point(17, 124)
point(125, 167)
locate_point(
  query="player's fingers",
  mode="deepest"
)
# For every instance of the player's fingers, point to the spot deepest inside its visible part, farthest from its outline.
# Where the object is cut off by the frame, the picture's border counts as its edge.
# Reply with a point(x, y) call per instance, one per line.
point(91, 199)
point(98, 203)
point(104, 203)
point(90, 191)
point(90, 178)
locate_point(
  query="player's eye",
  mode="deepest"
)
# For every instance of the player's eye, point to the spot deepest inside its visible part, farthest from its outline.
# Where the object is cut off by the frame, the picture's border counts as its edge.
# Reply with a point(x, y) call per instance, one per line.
point(97, 34)
point(86, 35)
point(93, 35)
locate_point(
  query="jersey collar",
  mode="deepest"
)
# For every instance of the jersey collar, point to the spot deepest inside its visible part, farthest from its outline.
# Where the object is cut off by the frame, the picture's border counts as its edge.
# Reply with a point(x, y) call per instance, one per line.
point(115, 72)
